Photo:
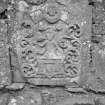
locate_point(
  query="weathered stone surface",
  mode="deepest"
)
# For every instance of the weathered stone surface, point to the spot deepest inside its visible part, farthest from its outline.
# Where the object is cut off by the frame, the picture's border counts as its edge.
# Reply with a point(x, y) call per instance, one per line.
point(51, 96)
point(26, 97)
point(94, 76)
point(52, 52)
point(5, 75)
point(77, 100)
point(4, 98)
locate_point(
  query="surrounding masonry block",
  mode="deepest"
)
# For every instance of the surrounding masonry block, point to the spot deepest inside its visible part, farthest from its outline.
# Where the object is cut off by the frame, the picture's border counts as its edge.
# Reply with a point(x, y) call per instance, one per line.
point(26, 97)
point(4, 98)
point(94, 77)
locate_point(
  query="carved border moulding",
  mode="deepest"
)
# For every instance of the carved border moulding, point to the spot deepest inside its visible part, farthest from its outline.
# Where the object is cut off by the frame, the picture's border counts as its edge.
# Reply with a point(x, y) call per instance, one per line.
point(5, 75)
point(42, 56)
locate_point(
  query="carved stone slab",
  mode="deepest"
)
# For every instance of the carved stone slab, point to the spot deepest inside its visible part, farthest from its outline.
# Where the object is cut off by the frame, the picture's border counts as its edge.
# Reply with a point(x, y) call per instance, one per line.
point(50, 47)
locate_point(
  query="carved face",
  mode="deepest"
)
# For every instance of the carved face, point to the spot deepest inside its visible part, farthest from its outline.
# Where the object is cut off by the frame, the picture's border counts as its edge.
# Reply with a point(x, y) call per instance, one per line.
point(52, 13)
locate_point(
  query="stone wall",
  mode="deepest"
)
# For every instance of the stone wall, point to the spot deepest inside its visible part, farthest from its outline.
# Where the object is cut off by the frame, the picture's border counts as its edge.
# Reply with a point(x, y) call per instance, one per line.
point(52, 52)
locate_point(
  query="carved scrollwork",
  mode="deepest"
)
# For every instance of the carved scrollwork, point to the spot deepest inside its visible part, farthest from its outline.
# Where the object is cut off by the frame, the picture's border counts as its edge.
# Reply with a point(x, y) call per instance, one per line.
point(71, 70)
point(32, 59)
point(69, 30)
point(28, 70)
point(26, 53)
point(73, 30)
point(24, 43)
point(76, 44)
point(72, 56)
